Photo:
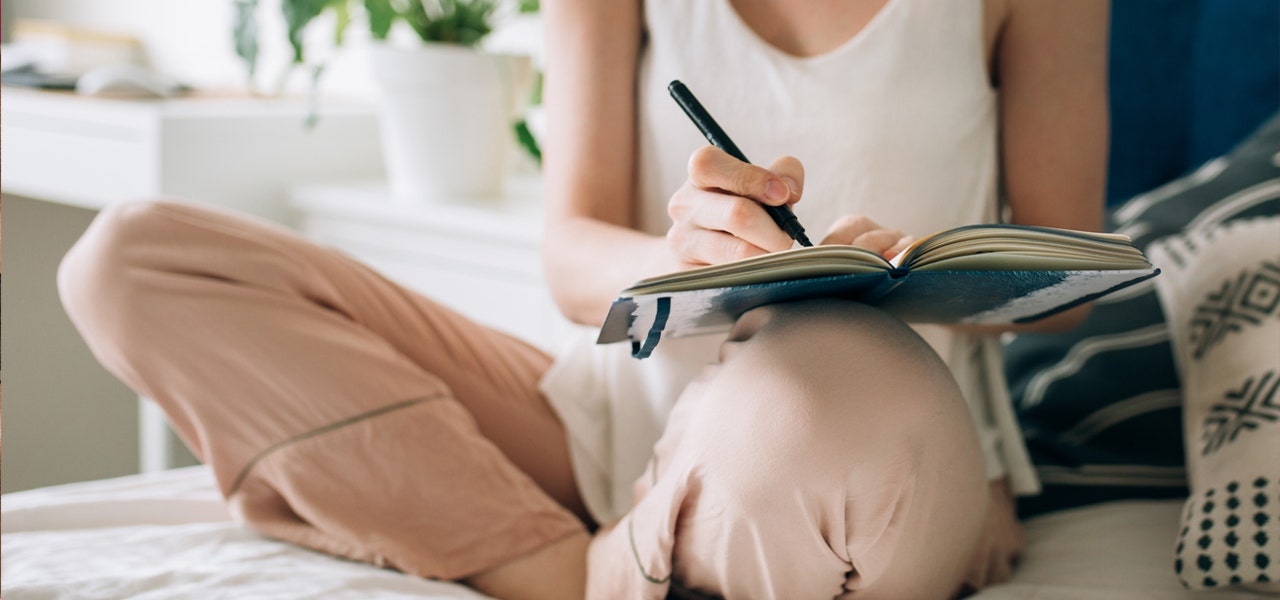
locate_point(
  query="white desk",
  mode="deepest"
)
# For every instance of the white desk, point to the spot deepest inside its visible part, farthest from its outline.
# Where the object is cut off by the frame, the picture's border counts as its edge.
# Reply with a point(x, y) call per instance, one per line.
point(240, 153)
point(480, 258)
point(236, 152)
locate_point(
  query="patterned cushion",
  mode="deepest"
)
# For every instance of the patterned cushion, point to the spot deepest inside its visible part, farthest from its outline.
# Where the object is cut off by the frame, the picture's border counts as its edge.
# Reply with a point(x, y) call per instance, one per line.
point(1220, 288)
point(1101, 406)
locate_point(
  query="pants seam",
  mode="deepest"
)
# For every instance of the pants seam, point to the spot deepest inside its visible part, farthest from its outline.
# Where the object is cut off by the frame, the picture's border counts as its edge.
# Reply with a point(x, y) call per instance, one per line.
point(377, 412)
point(631, 534)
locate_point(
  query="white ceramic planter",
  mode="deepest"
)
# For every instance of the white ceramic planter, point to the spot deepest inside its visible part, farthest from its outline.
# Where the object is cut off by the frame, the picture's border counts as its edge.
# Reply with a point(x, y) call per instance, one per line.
point(446, 115)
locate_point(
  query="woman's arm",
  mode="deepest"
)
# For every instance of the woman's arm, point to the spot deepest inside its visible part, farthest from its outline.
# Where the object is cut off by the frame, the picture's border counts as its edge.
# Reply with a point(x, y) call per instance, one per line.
point(1050, 65)
point(1051, 68)
point(592, 248)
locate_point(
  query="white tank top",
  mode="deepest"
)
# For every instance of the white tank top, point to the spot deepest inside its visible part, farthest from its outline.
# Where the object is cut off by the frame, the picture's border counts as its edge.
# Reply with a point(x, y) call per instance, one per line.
point(898, 123)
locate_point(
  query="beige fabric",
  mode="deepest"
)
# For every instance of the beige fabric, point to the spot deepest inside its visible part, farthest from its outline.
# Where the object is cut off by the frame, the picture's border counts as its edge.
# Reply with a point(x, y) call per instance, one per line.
point(829, 454)
point(337, 409)
point(1220, 289)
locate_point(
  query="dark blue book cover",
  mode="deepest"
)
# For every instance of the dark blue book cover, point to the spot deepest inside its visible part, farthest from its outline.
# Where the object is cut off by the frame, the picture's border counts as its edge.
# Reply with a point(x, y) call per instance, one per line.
point(1020, 284)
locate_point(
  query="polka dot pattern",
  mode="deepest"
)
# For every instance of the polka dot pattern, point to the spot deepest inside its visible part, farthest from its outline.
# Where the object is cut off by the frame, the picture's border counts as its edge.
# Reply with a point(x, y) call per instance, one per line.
point(1229, 536)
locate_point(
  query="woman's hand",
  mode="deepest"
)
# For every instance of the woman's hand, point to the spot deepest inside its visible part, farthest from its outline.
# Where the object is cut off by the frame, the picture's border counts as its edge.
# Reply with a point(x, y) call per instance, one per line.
point(860, 231)
point(717, 214)
point(1003, 541)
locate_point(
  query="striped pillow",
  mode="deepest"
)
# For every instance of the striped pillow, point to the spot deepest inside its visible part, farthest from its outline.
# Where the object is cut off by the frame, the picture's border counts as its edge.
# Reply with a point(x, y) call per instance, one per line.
point(1101, 406)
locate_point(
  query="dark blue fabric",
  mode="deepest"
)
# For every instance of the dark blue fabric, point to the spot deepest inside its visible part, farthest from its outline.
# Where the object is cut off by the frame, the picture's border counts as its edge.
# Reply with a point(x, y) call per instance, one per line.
point(1100, 406)
point(1150, 83)
point(1189, 79)
point(1237, 70)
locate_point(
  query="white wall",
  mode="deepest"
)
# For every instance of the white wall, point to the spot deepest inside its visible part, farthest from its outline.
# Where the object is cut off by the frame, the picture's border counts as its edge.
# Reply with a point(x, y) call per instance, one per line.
point(192, 39)
point(57, 391)
point(65, 418)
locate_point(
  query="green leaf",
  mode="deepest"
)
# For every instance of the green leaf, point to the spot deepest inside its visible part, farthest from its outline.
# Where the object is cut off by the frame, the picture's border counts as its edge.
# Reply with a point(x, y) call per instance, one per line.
point(297, 14)
point(525, 137)
point(313, 99)
point(528, 6)
point(417, 18)
point(381, 15)
point(464, 22)
point(245, 33)
point(535, 95)
point(343, 12)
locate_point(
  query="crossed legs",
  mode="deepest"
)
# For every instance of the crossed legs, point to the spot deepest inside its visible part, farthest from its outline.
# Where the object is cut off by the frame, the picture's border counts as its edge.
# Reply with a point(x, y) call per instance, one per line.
point(828, 453)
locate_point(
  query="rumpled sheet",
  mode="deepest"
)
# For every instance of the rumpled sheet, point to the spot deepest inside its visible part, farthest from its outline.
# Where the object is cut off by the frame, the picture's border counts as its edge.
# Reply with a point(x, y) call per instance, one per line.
point(168, 535)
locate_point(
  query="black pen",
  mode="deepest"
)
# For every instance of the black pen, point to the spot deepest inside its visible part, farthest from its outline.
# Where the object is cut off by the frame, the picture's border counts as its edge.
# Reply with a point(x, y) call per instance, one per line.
point(781, 215)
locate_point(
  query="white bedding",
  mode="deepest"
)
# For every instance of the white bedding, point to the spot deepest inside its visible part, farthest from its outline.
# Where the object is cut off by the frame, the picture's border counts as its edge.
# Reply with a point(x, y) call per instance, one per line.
point(168, 535)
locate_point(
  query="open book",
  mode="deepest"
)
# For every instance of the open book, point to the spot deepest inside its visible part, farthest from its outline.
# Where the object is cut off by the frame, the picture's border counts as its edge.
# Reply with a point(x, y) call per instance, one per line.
point(978, 274)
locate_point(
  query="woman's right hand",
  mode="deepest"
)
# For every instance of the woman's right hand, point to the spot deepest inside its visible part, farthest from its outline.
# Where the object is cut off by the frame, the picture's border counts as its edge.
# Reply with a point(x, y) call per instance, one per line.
point(717, 214)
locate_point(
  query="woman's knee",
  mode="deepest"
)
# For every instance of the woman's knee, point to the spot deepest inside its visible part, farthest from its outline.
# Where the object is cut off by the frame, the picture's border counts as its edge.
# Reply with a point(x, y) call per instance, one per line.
point(840, 375)
point(835, 429)
point(840, 393)
point(97, 277)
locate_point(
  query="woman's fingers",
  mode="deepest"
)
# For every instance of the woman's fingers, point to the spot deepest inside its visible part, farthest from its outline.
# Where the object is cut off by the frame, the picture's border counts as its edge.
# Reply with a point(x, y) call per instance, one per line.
point(848, 228)
point(717, 215)
point(697, 246)
point(792, 173)
point(1004, 539)
point(980, 570)
point(692, 209)
point(741, 217)
point(999, 568)
point(880, 241)
point(900, 247)
point(711, 168)
point(858, 230)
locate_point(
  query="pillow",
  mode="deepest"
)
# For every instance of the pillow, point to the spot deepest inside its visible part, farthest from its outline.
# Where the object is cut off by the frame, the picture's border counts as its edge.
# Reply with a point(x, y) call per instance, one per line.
point(1220, 288)
point(1101, 406)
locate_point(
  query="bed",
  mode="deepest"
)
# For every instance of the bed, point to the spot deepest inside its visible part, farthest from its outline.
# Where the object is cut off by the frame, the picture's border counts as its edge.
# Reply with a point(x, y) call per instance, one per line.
point(168, 535)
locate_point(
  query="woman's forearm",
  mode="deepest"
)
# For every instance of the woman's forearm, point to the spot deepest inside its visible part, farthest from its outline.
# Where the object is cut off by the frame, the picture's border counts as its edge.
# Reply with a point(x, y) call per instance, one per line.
point(591, 252)
point(588, 261)
point(1052, 69)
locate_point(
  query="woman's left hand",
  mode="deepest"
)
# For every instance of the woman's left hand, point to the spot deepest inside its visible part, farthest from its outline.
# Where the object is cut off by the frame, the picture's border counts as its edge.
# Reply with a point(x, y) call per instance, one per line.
point(1003, 541)
point(860, 231)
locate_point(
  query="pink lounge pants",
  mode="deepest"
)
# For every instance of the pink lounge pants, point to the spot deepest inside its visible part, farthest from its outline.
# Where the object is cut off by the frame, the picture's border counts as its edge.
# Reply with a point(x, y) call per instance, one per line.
point(828, 454)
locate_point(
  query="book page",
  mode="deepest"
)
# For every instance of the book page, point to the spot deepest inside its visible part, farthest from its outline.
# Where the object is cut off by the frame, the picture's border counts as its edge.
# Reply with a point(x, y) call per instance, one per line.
point(799, 263)
point(1010, 247)
point(969, 248)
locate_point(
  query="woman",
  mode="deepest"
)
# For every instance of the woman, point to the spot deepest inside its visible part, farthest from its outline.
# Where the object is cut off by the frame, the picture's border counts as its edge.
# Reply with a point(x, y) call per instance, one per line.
point(822, 448)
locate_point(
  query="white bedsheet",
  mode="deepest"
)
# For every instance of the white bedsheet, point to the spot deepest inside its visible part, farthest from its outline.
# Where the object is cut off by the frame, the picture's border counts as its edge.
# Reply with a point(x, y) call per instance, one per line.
point(168, 535)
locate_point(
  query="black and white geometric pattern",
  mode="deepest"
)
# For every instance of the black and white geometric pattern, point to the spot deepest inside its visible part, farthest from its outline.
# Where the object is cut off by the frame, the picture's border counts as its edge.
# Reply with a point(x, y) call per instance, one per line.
point(1102, 406)
point(1229, 535)
point(1243, 301)
point(1247, 407)
point(1227, 341)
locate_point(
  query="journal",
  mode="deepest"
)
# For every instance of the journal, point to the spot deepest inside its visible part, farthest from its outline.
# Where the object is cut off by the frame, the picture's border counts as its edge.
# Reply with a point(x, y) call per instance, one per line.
point(978, 274)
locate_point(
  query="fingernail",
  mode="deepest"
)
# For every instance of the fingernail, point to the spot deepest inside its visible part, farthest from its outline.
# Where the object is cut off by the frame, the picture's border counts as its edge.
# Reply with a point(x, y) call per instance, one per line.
point(793, 186)
point(776, 190)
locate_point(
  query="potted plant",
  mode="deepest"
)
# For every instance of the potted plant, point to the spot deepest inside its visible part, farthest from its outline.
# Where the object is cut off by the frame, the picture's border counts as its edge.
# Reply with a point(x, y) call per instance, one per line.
point(447, 108)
